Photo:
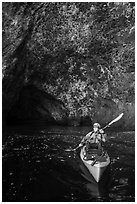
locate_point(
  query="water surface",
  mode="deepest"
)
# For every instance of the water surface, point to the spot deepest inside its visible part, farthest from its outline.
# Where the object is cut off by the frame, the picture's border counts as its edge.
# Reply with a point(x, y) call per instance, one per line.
point(37, 168)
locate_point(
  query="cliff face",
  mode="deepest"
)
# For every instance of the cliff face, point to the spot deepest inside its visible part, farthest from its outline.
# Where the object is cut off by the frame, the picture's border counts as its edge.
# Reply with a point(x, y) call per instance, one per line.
point(83, 55)
point(107, 110)
point(35, 104)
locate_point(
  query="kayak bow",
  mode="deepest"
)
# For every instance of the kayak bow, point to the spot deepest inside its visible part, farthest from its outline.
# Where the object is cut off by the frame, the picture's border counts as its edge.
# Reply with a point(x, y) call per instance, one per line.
point(96, 168)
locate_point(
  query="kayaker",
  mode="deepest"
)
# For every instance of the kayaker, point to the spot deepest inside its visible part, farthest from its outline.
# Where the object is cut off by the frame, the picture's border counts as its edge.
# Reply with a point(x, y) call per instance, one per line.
point(94, 139)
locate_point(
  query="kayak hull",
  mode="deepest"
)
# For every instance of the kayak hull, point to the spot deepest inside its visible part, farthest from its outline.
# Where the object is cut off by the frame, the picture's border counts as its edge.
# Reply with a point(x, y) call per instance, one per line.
point(98, 168)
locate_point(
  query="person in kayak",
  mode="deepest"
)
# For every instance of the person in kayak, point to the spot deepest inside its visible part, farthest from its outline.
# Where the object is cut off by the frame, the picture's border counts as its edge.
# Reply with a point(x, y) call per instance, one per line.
point(94, 139)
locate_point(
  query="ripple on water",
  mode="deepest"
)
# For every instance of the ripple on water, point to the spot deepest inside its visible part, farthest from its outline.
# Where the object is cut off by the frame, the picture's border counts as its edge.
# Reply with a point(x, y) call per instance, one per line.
point(36, 168)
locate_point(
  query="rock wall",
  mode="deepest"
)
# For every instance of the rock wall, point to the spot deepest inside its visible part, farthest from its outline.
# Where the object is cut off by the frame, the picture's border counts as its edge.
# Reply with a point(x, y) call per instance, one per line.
point(35, 104)
point(107, 110)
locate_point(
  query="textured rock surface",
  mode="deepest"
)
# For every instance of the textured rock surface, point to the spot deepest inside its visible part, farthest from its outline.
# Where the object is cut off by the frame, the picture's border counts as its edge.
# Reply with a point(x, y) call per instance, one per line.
point(107, 110)
point(35, 104)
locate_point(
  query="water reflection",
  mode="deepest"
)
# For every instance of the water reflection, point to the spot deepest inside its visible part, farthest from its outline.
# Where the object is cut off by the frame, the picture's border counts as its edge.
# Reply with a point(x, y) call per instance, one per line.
point(96, 190)
point(36, 167)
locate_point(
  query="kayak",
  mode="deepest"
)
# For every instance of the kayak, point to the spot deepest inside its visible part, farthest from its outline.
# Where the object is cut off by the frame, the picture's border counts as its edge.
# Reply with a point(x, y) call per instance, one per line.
point(96, 164)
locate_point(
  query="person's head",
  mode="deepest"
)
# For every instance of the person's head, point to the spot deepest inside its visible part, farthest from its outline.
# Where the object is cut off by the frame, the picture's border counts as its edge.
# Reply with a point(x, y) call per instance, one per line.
point(96, 127)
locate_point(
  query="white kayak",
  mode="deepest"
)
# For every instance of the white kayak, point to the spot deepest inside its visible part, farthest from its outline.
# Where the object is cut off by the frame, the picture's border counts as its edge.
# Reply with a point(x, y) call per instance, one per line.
point(97, 165)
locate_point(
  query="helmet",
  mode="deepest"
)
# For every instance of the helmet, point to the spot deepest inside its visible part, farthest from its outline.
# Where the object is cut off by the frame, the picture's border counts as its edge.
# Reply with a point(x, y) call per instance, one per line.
point(97, 125)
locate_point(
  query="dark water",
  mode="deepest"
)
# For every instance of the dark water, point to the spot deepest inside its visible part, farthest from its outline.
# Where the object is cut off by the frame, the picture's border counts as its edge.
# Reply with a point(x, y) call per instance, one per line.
point(37, 168)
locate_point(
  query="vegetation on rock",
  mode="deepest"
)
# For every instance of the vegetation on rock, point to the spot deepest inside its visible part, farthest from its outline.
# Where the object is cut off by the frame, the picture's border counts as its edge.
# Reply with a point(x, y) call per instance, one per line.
point(77, 52)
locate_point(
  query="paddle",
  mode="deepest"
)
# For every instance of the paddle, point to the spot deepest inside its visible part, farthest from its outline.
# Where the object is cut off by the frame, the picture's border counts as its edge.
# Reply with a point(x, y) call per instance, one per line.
point(113, 121)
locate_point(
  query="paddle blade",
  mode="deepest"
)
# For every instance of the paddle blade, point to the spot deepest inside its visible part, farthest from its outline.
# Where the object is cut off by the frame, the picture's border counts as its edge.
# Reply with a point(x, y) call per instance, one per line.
point(116, 119)
point(68, 150)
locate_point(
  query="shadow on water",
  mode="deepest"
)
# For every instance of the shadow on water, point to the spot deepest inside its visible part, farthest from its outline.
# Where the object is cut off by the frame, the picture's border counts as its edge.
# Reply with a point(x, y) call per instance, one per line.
point(97, 191)
point(36, 167)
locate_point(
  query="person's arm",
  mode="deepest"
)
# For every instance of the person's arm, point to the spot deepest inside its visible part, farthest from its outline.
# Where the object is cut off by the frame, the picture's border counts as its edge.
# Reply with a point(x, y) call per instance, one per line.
point(104, 136)
point(83, 141)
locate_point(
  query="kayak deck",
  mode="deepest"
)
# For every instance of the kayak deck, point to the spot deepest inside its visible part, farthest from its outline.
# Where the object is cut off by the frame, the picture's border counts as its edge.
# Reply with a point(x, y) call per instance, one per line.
point(99, 167)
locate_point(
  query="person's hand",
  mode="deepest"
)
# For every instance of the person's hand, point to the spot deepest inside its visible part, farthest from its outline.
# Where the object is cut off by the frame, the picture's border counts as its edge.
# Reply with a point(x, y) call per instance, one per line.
point(101, 131)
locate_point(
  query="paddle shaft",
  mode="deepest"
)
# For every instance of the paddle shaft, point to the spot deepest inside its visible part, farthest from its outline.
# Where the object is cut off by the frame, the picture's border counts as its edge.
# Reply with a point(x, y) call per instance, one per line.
point(76, 148)
point(69, 150)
